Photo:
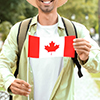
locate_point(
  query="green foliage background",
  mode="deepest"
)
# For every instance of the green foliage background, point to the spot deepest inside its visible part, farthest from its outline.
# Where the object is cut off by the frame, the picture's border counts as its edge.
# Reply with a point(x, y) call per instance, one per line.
point(81, 9)
point(15, 10)
point(12, 11)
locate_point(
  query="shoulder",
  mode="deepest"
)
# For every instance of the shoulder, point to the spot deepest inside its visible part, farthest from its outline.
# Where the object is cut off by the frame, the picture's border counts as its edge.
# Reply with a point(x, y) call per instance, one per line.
point(79, 25)
point(82, 31)
point(15, 27)
point(13, 31)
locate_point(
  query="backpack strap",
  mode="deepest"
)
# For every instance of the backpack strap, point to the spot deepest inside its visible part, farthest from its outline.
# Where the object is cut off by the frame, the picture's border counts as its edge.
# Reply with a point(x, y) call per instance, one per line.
point(22, 32)
point(21, 36)
point(71, 30)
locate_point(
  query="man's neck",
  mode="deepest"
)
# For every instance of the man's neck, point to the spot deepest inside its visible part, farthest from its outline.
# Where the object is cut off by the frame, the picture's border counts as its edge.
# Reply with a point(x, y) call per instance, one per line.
point(47, 19)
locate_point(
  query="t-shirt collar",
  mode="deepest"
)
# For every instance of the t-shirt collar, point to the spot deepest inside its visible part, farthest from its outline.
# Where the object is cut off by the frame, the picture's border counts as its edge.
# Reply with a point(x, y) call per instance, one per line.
point(60, 23)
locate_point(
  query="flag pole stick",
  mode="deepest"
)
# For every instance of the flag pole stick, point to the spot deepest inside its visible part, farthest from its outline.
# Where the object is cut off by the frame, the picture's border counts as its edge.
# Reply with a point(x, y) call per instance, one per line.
point(28, 72)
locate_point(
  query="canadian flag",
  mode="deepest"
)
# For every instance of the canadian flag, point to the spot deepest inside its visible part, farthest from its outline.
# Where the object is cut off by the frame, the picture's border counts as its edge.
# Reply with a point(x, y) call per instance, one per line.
point(40, 47)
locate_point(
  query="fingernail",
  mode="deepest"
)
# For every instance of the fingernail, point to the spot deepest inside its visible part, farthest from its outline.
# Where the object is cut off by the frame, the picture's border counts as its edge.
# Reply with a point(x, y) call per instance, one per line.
point(29, 86)
point(74, 43)
point(74, 48)
point(74, 39)
point(29, 90)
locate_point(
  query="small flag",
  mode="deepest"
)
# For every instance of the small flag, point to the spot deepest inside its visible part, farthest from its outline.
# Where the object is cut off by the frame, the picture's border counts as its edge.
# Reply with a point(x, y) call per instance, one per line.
point(40, 47)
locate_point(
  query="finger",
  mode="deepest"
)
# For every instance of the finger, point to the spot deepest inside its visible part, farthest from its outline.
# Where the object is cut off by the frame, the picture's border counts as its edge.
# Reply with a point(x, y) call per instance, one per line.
point(82, 48)
point(19, 91)
point(20, 86)
point(18, 94)
point(80, 39)
point(82, 52)
point(23, 82)
point(82, 43)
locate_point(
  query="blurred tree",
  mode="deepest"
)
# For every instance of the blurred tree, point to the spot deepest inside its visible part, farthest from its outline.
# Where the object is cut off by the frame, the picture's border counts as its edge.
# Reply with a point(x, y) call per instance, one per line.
point(16, 10)
point(30, 10)
point(5, 28)
point(83, 11)
point(13, 11)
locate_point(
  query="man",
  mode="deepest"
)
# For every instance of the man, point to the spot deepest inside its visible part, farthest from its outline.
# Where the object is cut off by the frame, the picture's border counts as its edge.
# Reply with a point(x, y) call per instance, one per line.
point(46, 78)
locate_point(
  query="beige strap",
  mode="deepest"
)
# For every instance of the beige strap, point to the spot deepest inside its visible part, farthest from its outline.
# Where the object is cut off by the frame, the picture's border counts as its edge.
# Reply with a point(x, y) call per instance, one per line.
point(22, 33)
point(69, 26)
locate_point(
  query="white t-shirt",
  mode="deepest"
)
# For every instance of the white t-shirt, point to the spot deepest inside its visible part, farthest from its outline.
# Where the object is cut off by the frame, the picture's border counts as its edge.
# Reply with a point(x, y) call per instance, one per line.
point(45, 70)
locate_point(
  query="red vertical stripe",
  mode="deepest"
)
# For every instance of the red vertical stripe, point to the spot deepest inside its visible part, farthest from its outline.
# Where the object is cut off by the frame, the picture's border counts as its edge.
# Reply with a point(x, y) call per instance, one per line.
point(33, 46)
point(68, 46)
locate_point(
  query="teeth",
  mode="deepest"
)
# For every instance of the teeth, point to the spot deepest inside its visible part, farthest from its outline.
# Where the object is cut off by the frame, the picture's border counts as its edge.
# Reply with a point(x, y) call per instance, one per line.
point(46, 2)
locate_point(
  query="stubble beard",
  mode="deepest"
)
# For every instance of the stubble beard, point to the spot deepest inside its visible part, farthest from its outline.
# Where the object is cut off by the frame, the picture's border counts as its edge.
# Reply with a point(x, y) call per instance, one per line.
point(46, 9)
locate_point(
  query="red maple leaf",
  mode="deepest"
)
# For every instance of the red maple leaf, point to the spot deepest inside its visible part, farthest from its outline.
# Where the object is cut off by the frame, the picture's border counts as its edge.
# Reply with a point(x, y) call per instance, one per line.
point(52, 47)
